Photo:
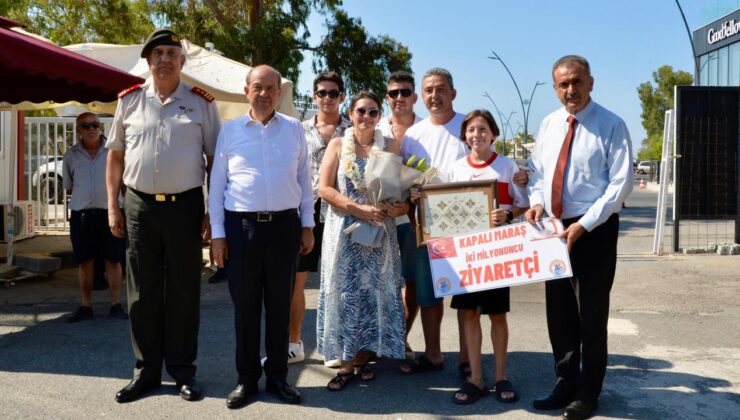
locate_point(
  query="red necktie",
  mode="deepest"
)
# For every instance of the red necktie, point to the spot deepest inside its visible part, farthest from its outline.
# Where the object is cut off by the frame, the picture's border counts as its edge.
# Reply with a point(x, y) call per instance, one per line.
point(559, 176)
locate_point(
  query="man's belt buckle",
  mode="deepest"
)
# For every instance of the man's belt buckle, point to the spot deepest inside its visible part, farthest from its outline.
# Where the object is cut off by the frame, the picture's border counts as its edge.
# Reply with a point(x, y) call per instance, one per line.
point(264, 216)
point(163, 197)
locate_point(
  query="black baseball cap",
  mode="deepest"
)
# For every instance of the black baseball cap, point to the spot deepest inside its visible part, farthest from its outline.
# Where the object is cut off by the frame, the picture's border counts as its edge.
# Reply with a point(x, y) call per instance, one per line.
point(160, 37)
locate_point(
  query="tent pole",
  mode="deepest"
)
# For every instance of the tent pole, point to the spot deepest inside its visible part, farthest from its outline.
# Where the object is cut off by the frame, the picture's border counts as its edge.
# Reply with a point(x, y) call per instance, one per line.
point(12, 161)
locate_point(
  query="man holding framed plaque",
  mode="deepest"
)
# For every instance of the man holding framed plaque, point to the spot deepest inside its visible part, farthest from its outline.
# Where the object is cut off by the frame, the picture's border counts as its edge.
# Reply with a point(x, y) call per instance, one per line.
point(435, 139)
point(581, 173)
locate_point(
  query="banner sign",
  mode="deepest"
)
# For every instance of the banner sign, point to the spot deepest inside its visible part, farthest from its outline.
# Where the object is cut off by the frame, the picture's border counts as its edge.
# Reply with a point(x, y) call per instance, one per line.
point(505, 256)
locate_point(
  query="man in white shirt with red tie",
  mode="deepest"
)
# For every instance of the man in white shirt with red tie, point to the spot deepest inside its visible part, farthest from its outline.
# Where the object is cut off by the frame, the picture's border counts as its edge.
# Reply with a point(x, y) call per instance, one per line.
point(261, 206)
point(581, 173)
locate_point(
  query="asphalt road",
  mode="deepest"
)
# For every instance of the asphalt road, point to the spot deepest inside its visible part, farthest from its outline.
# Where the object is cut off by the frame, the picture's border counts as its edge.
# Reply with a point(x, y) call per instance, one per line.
point(674, 351)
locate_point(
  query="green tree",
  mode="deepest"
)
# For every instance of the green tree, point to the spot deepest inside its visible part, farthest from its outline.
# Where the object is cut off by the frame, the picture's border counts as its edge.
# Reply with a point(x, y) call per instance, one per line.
point(73, 21)
point(364, 61)
point(656, 98)
point(253, 32)
point(249, 31)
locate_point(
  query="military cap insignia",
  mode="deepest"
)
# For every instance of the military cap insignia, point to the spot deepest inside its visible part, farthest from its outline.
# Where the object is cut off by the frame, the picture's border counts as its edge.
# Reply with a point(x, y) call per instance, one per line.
point(202, 93)
point(174, 38)
point(126, 91)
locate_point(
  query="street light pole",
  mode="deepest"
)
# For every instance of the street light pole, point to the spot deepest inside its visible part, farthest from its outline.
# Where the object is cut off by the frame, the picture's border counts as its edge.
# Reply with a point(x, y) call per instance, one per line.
point(525, 113)
point(508, 126)
point(691, 41)
point(500, 118)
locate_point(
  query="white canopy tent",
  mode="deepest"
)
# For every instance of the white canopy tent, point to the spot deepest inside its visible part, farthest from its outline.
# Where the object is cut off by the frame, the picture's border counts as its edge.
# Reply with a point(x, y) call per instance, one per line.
point(221, 77)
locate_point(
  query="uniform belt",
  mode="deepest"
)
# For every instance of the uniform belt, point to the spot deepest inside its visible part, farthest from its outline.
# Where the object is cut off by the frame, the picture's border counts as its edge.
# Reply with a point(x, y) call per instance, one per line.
point(263, 216)
point(91, 211)
point(164, 197)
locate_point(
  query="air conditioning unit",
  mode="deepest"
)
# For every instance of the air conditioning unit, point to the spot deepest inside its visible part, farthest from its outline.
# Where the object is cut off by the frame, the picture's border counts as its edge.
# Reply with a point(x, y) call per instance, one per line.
point(23, 223)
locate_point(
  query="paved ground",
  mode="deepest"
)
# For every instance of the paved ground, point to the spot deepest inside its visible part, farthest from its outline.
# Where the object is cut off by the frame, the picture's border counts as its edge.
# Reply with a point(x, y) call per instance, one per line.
point(674, 344)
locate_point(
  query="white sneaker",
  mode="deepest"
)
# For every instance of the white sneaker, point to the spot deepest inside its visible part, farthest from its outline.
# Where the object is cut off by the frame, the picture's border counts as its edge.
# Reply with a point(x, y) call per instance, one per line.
point(295, 352)
point(332, 363)
point(262, 361)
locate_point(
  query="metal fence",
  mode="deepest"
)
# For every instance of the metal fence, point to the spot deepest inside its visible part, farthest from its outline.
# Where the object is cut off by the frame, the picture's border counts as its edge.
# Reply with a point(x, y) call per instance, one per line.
point(707, 138)
point(46, 140)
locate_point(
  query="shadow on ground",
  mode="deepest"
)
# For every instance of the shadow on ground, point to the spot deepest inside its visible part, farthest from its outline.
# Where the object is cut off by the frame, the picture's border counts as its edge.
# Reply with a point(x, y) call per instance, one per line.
point(45, 343)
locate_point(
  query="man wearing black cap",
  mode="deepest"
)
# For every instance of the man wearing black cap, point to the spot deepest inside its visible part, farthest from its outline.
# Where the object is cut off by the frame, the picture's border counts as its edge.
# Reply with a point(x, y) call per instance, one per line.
point(161, 132)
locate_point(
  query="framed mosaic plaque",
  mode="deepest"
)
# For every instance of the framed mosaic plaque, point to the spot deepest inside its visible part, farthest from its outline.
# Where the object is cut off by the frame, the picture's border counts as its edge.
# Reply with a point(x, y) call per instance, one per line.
point(455, 208)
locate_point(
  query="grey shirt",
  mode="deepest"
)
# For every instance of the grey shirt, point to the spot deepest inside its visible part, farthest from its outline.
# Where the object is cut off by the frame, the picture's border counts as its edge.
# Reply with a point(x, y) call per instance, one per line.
point(164, 142)
point(85, 176)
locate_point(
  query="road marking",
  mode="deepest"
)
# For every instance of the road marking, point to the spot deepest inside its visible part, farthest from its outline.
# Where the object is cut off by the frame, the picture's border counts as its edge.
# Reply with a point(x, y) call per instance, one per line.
point(619, 326)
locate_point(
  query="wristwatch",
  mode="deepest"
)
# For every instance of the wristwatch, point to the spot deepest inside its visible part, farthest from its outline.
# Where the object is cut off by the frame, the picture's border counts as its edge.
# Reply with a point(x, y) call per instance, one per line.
point(509, 216)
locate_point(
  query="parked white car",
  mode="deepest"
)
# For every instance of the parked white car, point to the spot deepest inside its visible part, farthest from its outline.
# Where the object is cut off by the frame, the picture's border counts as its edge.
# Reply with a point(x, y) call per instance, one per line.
point(50, 178)
point(644, 167)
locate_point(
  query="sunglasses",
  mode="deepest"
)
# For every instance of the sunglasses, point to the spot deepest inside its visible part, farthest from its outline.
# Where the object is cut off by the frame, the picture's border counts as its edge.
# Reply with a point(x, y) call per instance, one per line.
point(372, 112)
point(403, 92)
point(87, 126)
point(334, 94)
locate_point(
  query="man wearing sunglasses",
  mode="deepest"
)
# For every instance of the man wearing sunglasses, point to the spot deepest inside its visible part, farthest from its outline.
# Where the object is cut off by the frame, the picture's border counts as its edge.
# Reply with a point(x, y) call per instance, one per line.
point(328, 123)
point(84, 179)
point(401, 98)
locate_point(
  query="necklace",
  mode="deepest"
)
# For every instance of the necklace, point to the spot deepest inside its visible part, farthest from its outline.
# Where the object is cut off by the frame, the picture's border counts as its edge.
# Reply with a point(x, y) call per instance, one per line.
point(347, 156)
point(365, 146)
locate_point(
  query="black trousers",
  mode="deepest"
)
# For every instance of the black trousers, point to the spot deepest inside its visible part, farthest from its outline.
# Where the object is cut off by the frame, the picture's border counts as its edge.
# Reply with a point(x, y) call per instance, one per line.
point(262, 264)
point(578, 310)
point(164, 259)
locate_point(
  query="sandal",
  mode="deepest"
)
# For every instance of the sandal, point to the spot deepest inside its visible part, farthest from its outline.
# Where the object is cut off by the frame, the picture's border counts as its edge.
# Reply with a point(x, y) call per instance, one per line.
point(464, 369)
point(422, 364)
point(364, 373)
point(471, 391)
point(502, 386)
point(342, 379)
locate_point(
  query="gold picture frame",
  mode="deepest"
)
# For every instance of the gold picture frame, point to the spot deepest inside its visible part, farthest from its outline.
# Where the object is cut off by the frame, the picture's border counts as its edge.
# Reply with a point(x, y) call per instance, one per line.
point(455, 208)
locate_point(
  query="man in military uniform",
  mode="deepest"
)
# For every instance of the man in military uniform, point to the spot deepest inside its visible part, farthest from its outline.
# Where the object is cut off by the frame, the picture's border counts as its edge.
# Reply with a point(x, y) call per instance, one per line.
point(161, 132)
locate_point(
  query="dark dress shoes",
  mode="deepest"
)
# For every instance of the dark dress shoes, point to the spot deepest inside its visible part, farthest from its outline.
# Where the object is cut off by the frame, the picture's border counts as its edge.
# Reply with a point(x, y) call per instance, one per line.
point(561, 396)
point(239, 397)
point(189, 390)
point(579, 410)
point(135, 390)
point(284, 391)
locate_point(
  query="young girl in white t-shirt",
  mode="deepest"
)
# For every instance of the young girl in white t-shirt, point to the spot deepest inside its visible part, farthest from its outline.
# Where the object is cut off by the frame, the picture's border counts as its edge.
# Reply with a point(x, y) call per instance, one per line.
point(479, 131)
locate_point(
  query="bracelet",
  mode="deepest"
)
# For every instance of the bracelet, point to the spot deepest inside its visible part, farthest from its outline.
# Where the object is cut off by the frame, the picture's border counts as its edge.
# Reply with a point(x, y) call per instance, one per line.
point(509, 216)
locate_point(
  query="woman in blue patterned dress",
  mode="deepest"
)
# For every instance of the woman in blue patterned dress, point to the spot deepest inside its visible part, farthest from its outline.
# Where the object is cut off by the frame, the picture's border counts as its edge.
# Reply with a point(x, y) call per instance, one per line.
point(360, 308)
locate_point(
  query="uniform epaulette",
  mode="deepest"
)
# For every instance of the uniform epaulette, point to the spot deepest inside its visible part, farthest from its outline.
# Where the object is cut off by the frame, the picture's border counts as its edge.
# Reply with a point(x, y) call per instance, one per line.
point(200, 92)
point(126, 91)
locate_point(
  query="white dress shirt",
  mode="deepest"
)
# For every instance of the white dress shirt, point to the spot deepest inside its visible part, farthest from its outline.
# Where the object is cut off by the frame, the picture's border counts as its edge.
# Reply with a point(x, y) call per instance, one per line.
point(598, 176)
point(258, 168)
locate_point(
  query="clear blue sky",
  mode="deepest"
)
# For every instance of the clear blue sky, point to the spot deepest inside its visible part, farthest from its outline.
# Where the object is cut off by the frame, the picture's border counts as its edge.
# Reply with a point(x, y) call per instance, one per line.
point(625, 41)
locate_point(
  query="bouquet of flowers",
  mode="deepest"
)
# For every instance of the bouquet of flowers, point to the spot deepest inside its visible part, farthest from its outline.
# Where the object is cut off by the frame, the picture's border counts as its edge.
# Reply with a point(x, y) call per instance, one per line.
point(388, 179)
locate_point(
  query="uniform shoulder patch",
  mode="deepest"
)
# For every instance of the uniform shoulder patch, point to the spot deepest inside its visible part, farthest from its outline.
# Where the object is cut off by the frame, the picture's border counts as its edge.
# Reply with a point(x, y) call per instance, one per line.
point(126, 91)
point(202, 93)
